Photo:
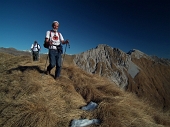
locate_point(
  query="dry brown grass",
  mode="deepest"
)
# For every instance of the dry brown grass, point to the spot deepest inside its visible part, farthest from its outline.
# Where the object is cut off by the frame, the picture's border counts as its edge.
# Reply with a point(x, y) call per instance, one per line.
point(153, 82)
point(29, 98)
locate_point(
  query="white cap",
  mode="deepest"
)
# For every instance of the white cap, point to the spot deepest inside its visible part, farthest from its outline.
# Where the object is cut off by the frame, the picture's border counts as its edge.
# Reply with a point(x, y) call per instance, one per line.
point(55, 22)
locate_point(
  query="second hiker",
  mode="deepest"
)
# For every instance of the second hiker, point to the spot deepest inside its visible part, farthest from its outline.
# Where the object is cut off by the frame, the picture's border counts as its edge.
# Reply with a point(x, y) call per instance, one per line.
point(35, 48)
point(54, 40)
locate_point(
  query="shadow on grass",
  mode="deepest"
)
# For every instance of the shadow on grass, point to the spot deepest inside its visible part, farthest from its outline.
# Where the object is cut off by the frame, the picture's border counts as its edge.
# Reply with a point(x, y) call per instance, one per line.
point(25, 68)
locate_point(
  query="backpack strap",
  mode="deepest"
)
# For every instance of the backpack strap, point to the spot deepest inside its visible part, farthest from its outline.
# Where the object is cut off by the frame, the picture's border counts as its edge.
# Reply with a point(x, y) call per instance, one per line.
point(38, 47)
point(59, 37)
point(50, 34)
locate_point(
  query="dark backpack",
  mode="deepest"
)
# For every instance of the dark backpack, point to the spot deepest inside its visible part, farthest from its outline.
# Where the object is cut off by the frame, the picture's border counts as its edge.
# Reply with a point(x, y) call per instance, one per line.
point(39, 46)
point(46, 44)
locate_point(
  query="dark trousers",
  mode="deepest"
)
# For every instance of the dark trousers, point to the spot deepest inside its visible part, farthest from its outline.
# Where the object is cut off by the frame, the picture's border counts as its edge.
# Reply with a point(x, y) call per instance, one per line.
point(35, 55)
point(54, 60)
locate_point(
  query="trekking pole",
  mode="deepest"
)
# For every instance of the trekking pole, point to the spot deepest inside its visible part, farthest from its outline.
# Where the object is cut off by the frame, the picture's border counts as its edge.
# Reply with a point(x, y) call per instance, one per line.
point(31, 55)
point(65, 52)
point(64, 55)
point(46, 63)
point(39, 56)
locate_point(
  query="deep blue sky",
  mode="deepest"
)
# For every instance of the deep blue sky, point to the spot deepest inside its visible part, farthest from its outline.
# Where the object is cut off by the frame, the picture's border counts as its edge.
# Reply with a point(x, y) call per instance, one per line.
point(123, 24)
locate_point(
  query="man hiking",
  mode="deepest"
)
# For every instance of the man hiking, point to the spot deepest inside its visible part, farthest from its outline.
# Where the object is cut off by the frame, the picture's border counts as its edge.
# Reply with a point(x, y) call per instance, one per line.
point(35, 48)
point(54, 40)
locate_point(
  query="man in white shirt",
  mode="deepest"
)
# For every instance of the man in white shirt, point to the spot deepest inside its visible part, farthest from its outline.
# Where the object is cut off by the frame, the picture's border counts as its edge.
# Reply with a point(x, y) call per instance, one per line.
point(55, 40)
point(35, 48)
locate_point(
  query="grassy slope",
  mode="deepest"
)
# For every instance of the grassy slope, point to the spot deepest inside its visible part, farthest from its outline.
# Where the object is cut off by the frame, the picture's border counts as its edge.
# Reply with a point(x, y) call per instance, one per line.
point(153, 83)
point(30, 98)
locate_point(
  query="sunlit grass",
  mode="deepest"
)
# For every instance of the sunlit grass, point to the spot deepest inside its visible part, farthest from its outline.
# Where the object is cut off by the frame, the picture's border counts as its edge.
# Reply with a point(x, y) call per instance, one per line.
point(29, 98)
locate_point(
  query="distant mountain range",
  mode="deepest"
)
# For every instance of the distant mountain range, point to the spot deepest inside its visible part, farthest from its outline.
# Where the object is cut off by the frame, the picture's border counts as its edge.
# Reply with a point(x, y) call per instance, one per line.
point(14, 51)
point(146, 76)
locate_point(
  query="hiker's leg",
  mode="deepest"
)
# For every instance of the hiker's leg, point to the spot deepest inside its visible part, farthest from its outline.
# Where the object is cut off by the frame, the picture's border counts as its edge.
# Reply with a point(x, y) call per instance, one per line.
point(52, 59)
point(58, 65)
point(33, 55)
point(36, 56)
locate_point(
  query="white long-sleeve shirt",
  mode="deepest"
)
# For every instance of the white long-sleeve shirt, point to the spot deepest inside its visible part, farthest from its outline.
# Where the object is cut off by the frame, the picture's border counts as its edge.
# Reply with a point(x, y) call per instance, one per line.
point(35, 47)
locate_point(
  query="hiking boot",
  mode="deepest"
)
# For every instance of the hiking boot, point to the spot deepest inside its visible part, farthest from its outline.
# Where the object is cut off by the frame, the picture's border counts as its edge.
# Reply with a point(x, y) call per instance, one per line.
point(47, 72)
point(56, 78)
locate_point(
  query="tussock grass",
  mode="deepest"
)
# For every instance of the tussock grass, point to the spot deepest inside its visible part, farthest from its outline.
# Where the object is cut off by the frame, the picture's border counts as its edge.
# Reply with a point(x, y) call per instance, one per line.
point(29, 98)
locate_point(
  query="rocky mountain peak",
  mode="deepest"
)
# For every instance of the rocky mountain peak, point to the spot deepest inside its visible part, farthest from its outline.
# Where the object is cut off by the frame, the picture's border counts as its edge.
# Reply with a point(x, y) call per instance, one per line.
point(109, 62)
point(137, 54)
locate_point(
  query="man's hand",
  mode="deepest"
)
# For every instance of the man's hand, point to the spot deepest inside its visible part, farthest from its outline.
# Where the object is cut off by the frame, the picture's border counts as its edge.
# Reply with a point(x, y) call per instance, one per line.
point(50, 43)
point(47, 41)
point(65, 42)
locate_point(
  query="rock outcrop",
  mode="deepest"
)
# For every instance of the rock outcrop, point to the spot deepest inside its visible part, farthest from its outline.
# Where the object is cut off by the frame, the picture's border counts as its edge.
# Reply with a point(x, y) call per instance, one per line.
point(109, 62)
